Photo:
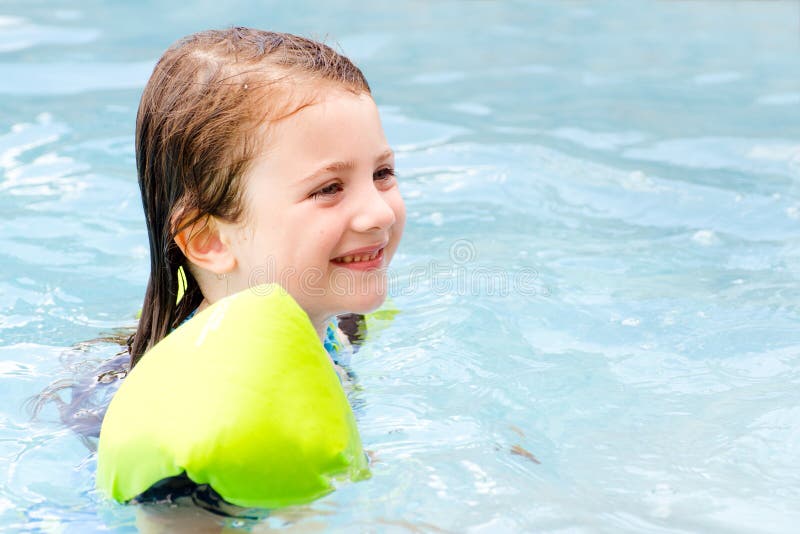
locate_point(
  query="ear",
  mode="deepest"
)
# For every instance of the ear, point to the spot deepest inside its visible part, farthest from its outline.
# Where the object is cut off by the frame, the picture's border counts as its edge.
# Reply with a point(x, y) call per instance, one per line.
point(205, 246)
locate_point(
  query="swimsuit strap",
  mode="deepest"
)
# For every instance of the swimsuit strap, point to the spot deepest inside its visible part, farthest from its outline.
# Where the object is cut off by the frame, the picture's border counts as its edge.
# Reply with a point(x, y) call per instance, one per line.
point(332, 343)
point(191, 314)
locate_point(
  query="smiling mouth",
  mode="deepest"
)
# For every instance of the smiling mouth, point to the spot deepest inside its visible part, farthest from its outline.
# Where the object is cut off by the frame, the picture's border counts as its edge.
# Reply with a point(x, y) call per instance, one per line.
point(360, 258)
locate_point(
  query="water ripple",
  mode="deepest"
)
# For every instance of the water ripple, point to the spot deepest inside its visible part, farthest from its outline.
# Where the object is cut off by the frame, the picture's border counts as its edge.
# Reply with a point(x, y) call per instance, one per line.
point(17, 33)
point(66, 78)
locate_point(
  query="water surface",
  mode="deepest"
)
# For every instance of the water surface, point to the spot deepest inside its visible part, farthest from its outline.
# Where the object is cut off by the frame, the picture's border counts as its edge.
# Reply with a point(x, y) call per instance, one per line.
point(598, 284)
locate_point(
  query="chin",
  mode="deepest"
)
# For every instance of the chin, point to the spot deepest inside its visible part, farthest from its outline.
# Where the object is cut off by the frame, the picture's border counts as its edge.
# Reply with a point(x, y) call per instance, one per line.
point(358, 294)
point(364, 303)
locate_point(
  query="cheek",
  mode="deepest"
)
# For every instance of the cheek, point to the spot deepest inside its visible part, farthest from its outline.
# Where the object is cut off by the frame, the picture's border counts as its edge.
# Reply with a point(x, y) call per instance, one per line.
point(317, 241)
point(399, 208)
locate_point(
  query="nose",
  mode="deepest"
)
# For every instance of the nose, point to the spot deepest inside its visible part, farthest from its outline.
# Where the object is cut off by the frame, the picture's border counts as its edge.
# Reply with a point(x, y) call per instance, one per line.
point(373, 211)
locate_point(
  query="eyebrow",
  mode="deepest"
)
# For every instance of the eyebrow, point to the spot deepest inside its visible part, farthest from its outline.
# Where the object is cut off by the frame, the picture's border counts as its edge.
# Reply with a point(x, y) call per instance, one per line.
point(339, 166)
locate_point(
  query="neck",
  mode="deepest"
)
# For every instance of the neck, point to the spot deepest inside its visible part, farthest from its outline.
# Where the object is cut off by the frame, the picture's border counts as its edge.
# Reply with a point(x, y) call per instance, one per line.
point(321, 326)
point(203, 305)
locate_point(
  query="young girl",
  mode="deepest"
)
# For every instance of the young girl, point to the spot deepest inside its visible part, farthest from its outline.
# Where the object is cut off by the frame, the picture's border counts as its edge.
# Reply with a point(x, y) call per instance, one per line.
point(261, 158)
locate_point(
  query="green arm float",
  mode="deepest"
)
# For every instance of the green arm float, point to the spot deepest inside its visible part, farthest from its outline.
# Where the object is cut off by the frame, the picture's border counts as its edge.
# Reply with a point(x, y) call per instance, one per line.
point(244, 398)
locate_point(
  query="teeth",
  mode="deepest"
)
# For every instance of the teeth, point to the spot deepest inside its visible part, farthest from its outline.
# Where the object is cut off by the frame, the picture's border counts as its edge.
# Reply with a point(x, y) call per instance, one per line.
point(362, 257)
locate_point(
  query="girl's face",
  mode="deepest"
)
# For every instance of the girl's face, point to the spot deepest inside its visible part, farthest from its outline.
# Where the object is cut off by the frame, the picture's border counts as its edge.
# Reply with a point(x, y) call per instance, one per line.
point(323, 213)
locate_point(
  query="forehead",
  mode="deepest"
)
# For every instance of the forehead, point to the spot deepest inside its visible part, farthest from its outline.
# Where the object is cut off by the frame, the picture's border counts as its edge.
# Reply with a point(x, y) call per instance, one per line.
point(336, 124)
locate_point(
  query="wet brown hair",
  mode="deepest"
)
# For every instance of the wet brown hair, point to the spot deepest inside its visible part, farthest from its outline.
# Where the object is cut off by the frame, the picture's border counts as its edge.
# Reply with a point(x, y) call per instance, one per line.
point(202, 117)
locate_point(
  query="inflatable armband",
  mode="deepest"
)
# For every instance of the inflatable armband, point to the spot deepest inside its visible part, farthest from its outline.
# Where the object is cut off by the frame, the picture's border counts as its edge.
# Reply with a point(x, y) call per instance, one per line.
point(244, 398)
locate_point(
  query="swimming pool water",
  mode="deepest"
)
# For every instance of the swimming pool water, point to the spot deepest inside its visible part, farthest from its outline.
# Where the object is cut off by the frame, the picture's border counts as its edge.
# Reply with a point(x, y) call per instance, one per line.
point(598, 285)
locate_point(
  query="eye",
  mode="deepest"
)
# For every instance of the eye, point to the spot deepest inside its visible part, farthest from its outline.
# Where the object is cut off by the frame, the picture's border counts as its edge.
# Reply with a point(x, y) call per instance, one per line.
point(384, 175)
point(327, 191)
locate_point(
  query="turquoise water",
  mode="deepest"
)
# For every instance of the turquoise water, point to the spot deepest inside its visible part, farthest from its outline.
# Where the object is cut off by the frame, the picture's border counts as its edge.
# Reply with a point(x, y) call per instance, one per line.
point(599, 283)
